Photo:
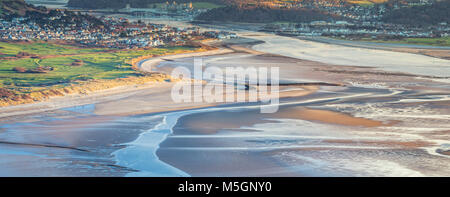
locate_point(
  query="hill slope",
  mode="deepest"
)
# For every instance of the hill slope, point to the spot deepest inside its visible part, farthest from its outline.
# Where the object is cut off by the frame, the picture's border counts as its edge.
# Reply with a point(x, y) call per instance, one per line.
point(97, 4)
point(421, 15)
point(15, 6)
point(263, 15)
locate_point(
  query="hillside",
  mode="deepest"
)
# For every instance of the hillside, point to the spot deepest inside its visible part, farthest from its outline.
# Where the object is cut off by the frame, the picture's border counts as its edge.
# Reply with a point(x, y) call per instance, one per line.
point(14, 6)
point(97, 4)
point(263, 15)
point(421, 15)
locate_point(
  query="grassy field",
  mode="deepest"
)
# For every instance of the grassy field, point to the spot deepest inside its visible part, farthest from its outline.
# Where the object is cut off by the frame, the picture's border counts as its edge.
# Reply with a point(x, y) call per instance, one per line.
point(100, 65)
point(445, 41)
point(429, 41)
point(40, 48)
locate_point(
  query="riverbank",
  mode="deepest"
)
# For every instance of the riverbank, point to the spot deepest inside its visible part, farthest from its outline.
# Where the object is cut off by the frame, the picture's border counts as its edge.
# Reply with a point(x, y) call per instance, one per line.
point(108, 91)
point(86, 133)
point(32, 73)
point(371, 125)
point(334, 54)
point(442, 52)
point(146, 65)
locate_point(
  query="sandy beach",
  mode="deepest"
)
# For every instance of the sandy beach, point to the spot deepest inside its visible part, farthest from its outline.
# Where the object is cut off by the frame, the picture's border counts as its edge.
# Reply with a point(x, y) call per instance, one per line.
point(360, 129)
point(390, 61)
point(432, 51)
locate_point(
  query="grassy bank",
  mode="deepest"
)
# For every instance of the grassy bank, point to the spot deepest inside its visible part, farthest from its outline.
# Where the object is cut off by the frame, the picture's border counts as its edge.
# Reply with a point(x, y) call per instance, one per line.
point(444, 41)
point(11, 49)
point(69, 70)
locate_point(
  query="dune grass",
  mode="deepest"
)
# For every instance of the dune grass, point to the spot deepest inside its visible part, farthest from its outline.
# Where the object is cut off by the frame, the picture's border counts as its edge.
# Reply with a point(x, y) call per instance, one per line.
point(102, 65)
point(445, 41)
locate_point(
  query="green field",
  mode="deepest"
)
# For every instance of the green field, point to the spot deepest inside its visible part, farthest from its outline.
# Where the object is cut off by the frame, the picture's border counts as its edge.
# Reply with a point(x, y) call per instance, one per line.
point(445, 41)
point(99, 65)
point(11, 49)
point(429, 41)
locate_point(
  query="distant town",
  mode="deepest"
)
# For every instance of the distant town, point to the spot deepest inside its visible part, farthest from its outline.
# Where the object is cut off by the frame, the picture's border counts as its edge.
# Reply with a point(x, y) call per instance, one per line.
point(358, 21)
point(359, 29)
point(342, 19)
point(105, 32)
point(328, 18)
point(352, 11)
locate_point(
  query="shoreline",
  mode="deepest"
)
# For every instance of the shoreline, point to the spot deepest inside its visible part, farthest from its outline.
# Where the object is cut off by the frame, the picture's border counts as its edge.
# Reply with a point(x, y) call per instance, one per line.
point(373, 45)
point(84, 97)
point(158, 83)
point(405, 48)
point(147, 64)
point(339, 55)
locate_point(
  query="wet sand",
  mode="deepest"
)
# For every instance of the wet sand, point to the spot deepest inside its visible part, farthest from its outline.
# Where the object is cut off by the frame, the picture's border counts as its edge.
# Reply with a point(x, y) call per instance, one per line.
point(368, 122)
point(328, 117)
point(390, 61)
point(288, 143)
point(79, 134)
point(432, 51)
point(75, 144)
point(379, 123)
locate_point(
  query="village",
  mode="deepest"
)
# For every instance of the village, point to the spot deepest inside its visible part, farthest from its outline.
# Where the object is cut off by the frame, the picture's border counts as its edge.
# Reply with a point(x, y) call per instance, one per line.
point(350, 11)
point(359, 21)
point(349, 29)
point(114, 32)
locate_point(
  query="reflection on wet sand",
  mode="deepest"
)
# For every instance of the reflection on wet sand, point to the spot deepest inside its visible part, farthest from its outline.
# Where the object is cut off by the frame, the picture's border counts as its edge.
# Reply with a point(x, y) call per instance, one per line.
point(329, 117)
point(378, 123)
point(332, 121)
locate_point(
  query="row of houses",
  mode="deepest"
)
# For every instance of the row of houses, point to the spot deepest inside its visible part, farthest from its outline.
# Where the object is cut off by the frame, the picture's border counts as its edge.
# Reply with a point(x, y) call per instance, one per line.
point(342, 28)
point(115, 33)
